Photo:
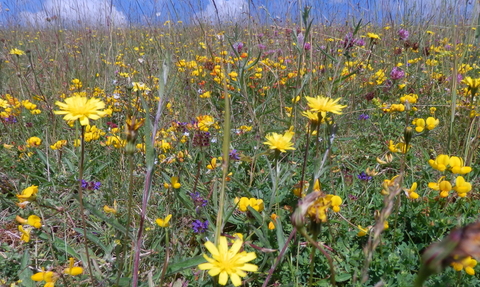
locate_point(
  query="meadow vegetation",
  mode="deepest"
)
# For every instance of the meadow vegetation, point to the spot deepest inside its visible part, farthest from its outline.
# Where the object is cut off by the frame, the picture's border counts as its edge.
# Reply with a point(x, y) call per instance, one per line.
point(198, 155)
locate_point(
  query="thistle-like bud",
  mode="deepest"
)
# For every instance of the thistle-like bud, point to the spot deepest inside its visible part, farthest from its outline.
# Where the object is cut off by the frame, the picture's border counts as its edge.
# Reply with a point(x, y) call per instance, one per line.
point(407, 135)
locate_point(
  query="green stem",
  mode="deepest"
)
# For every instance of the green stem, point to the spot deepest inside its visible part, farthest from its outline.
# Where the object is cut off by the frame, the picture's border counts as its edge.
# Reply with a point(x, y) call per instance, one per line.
point(167, 256)
point(226, 159)
point(319, 247)
point(129, 216)
point(80, 200)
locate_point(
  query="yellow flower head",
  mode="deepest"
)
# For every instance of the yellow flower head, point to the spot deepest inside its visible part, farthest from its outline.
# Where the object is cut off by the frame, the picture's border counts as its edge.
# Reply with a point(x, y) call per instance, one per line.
point(25, 233)
point(81, 108)
point(228, 263)
point(32, 220)
point(17, 52)
point(411, 192)
point(461, 186)
point(34, 142)
point(73, 270)
point(280, 142)
point(324, 104)
point(28, 194)
point(164, 222)
point(244, 203)
point(47, 276)
point(442, 185)
point(373, 36)
point(467, 264)
point(362, 231)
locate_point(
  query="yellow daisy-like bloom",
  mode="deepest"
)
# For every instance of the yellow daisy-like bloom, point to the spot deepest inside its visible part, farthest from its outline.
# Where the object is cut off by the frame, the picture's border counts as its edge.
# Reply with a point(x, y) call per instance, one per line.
point(373, 36)
point(280, 142)
point(164, 222)
point(17, 52)
point(228, 263)
point(473, 84)
point(81, 108)
point(324, 104)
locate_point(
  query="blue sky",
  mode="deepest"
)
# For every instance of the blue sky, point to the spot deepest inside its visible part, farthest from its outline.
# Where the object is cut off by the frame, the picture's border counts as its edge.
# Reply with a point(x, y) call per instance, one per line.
point(154, 12)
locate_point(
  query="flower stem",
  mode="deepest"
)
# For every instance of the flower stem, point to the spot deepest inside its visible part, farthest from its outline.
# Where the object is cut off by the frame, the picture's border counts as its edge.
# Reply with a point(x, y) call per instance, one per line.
point(80, 200)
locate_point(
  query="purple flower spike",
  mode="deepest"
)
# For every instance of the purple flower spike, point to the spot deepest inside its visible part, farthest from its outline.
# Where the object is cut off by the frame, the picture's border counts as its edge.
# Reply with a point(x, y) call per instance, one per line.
point(199, 227)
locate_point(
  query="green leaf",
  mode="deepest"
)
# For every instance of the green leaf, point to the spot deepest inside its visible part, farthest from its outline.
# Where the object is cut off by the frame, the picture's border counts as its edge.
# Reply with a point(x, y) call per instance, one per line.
point(59, 244)
point(256, 214)
point(25, 272)
point(343, 277)
point(186, 264)
point(99, 213)
point(94, 239)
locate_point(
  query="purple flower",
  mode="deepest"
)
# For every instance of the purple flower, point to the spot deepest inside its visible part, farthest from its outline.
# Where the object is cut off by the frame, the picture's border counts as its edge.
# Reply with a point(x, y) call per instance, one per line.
point(234, 154)
point(198, 200)
point(348, 42)
point(238, 46)
point(10, 120)
point(199, 227)
point(300, 39)
point(261, 46)
point(363, 176)
point(403, 34)
point(91, 185)
point(397, 73)
point(363, 117)
point(307, 46)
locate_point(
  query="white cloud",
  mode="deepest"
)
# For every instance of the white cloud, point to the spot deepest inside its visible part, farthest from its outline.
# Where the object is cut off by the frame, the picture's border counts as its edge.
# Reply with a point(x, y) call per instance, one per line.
point(75, 12)
point(228, 10)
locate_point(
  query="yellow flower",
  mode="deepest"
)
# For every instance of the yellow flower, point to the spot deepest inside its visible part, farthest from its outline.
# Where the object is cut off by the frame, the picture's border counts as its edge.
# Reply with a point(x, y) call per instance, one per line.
point(59, 144)
point(362, 231)
point(280, 142)
point(473, 84)
point(228, 263)
point(28, 194)
point(47, 276)
point(212, 164)
point(467, 264)
point(432, 123)
point(34, 142)
point(73, 270)
point(108, 209)
point(17, 52)
point(32, 220)
point(456, 164)
point(25, 233)
point(318, 209)
point(440, 163)
point(411, 192)
point(387, 184)
point(81, 108)
point(175, 183)
point(324, 104)
point(420, 125)
point(442, 185)
point(244, 203)
point(272, 223)
point(461, 186)
point(164, 222)
point(373, 36)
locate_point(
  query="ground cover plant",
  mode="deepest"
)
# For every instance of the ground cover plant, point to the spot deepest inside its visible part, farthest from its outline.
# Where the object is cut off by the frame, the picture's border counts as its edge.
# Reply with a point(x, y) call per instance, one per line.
point(285, 155)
